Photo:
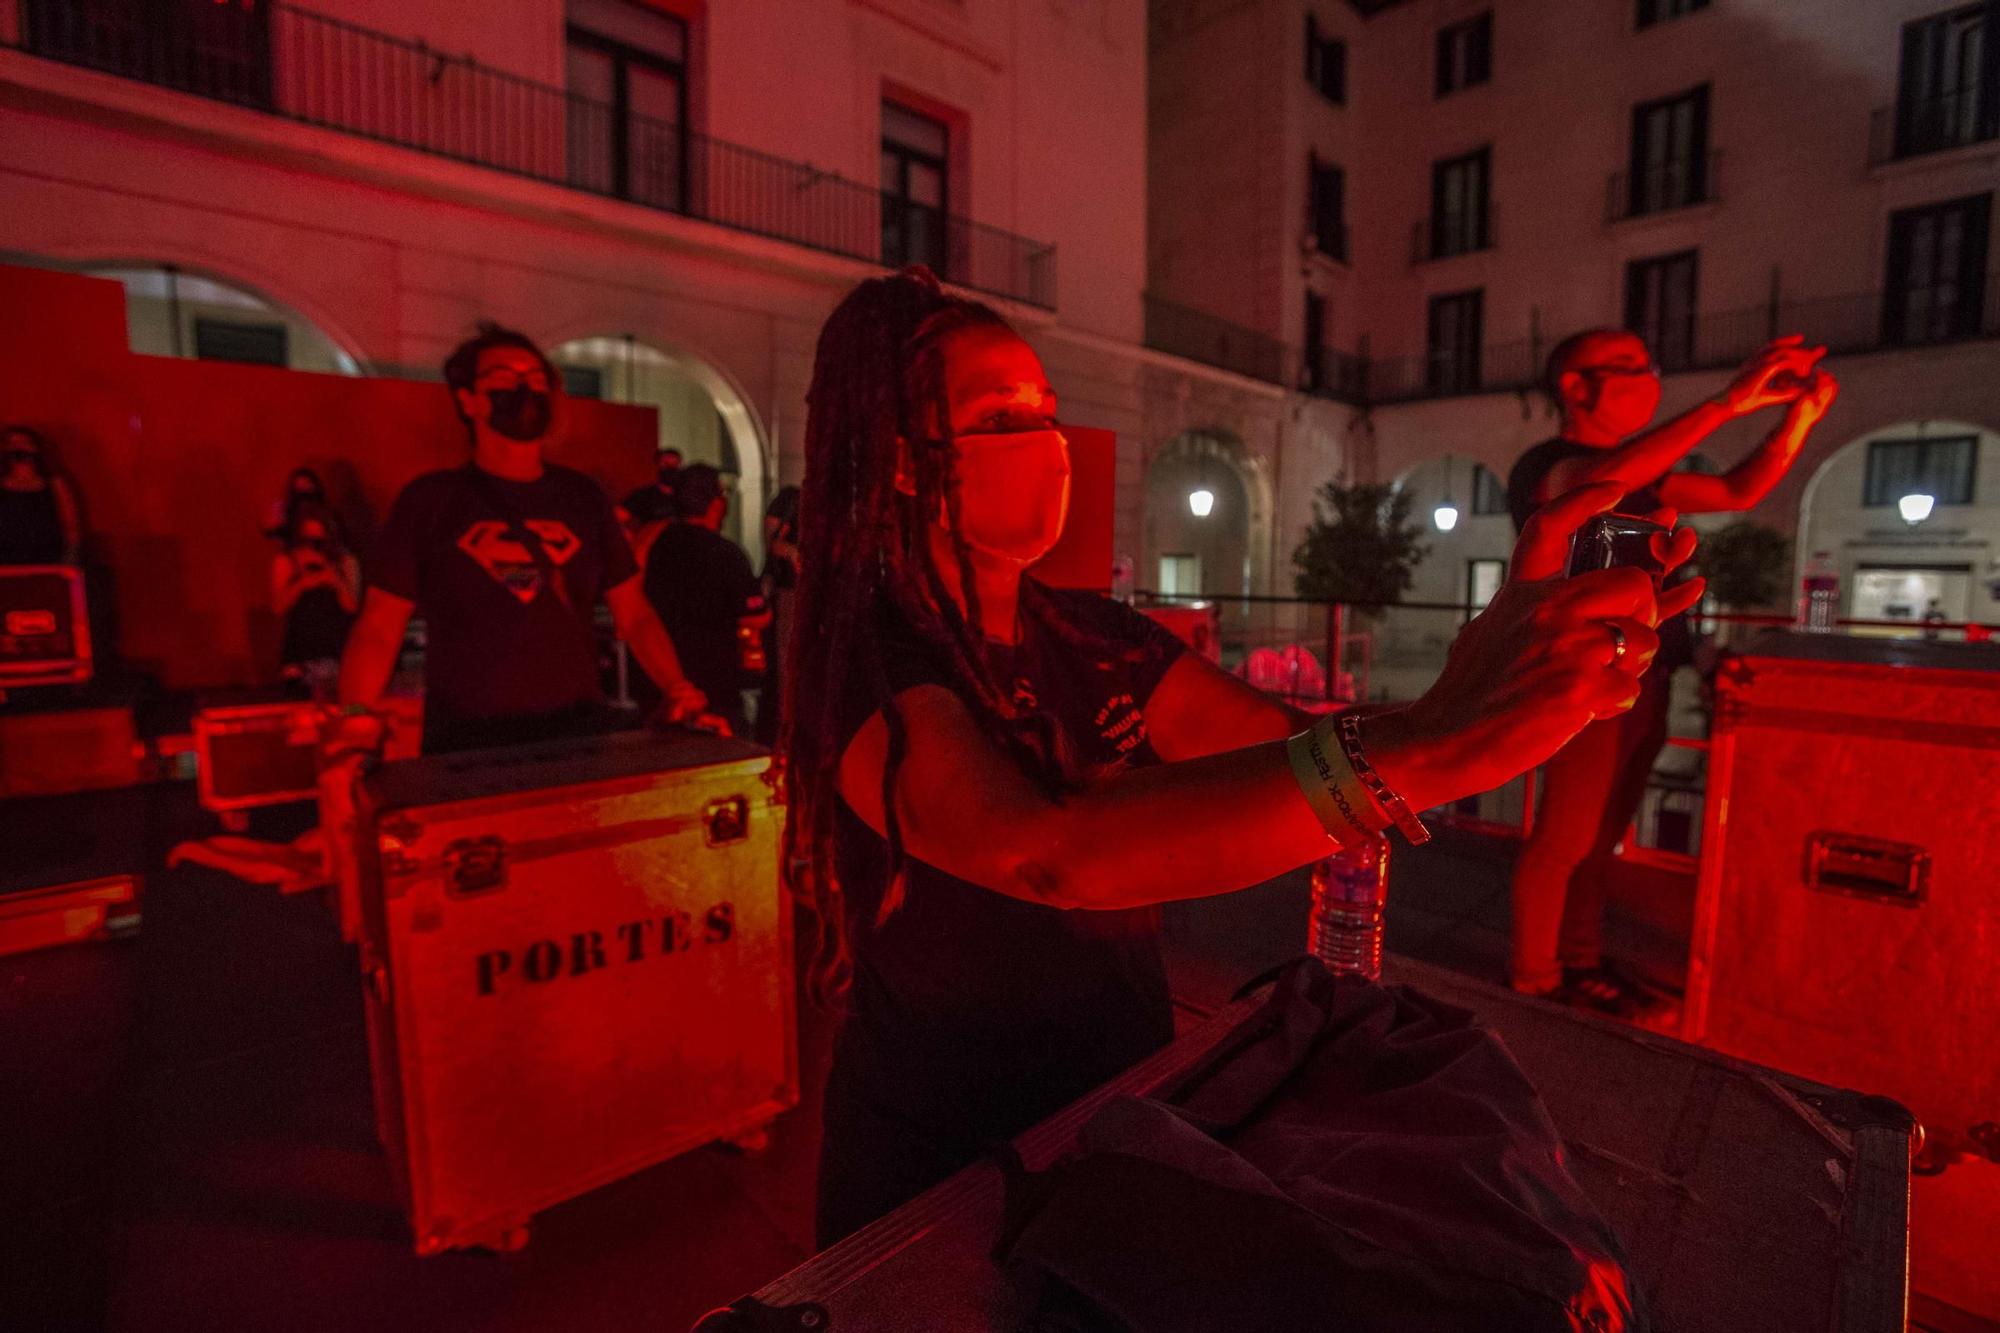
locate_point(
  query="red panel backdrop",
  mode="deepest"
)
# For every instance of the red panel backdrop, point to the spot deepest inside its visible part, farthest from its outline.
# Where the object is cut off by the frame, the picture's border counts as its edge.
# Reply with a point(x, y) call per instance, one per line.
point(176, 463)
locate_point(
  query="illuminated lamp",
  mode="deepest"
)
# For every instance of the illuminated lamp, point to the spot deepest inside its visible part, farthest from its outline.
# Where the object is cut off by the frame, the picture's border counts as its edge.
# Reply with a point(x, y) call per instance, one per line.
point(1915, 508)
point(1201, 502)
point(1445, 516)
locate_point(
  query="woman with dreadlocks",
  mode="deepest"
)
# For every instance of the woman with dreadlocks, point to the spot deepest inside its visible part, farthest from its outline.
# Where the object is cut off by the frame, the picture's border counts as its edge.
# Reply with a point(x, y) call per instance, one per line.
point(994, 784)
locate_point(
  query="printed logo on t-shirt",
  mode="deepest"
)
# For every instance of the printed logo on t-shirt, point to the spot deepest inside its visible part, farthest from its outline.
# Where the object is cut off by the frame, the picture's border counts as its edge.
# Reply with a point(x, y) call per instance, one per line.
point(1121, 724)
point(509, 562)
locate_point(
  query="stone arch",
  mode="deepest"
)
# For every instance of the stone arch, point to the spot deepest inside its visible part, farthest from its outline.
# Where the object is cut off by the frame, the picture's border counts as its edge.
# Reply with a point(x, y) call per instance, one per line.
point(702, 412)
point(164, 299)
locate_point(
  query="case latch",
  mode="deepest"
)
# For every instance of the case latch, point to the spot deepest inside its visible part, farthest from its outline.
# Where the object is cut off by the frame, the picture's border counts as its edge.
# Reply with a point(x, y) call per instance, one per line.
point(1872, 868)
point(726, 820)
point(475, 865)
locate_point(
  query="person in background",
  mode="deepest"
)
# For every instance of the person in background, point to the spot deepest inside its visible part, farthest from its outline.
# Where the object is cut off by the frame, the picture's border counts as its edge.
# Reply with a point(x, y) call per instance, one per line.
point(303, 489)
point(506, 556)
point(700, 584)
point(780, 576)
point(1607, 388)
point(38, 515)
point(316, 590)
point(648, 509)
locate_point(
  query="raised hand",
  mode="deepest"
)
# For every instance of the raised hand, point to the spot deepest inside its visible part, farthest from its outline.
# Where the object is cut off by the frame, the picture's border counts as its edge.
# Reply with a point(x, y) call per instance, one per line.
point(1777, 374)
point(1547, 657)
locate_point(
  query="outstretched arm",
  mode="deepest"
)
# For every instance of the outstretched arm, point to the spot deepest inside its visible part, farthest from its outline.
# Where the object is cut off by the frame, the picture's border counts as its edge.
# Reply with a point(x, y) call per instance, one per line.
point(1746, 484)
point(1524, 677)
point(639, 625)
point(1766, 379)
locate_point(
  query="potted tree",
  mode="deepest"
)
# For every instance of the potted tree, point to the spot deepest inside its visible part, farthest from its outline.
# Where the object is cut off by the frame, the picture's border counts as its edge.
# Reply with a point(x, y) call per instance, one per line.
point(1360, 551)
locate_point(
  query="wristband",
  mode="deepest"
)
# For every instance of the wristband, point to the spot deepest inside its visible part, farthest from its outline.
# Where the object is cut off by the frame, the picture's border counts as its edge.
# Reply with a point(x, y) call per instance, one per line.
point(356, 710)
point(1331, 786)
point(1349, 726)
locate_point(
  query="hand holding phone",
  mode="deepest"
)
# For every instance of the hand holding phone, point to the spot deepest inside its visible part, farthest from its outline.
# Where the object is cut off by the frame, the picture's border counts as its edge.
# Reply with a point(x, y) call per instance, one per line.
point(1612, 540)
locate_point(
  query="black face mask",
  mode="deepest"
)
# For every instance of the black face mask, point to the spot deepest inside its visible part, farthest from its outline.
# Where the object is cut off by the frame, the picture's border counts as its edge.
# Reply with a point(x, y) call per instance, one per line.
point(519, 413)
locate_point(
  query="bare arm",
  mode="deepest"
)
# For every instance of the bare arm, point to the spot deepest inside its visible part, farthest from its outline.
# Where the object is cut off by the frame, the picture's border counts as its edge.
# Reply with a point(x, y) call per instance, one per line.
point(286, 583)
point(1766, 379)
point(1200, 709)
point(639, 625)
point(1524, 677)
point(1746, 484)
point(373, 646)
point(348, 583)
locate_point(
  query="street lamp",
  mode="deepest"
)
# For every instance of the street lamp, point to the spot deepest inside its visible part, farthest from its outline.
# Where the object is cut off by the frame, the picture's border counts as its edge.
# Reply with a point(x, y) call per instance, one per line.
point(1916, 507)
point(1201, 502)
point(1445, 516)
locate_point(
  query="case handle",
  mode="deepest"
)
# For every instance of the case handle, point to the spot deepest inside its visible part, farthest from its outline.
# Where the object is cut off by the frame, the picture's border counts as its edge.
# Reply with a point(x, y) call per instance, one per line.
point(1872, 868)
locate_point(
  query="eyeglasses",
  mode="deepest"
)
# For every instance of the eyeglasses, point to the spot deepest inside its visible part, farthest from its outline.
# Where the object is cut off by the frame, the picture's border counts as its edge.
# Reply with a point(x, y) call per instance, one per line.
point(501, 381)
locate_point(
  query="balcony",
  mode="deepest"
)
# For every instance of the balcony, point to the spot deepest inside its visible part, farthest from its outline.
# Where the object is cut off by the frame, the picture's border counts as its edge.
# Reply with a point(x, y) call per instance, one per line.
point(1446, 235)
point(1677, 183)
point(325, 72)
point(1914, 127)
point(1198, 336)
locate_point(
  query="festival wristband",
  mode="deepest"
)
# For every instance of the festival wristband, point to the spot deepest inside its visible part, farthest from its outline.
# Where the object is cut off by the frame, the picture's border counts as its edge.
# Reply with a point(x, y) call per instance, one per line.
point(1331, 786)
point(1384, 796)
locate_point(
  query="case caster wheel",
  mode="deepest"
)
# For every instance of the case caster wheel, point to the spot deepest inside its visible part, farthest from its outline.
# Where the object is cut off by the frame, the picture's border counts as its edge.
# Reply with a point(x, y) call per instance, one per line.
point(752, 1141)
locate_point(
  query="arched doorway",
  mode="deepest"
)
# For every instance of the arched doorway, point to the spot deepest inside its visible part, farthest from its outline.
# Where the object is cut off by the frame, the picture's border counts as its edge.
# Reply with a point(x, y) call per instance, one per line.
point(1909, 514)
point(171, 311)
point(1205, 528)
point(700, 413)
point(1461, 508)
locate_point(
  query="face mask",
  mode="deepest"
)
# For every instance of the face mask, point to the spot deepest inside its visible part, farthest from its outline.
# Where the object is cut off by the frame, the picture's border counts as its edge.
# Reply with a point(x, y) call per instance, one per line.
point(1626, 403)
point(519, 413)
point(1013, 493)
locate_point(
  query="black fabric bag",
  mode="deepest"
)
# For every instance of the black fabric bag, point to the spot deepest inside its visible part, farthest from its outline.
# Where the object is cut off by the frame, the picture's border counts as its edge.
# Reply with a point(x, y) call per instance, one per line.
point(1353, 1158)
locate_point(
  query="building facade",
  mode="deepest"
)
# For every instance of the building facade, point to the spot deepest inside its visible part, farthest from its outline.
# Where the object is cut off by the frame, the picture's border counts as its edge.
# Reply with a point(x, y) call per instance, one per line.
point(671, 195)
point(1400, 207)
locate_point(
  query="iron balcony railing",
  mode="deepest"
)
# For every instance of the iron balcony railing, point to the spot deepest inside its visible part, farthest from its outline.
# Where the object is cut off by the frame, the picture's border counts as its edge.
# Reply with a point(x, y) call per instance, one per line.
point(1680, 182)
point(326, 72)
point(1918, 125)
point(1213, 342)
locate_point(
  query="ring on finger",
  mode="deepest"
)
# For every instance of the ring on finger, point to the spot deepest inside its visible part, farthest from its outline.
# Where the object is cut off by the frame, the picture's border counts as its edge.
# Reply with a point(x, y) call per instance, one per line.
point(1617, 644)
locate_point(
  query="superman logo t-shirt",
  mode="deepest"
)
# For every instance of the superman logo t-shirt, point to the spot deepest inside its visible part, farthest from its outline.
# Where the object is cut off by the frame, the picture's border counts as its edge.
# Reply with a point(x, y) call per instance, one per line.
point(506, 576)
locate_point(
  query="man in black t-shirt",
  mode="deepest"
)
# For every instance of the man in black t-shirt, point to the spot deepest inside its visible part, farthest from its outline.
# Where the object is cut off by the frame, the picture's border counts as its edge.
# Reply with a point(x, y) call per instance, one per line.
point(700, 584)
point(1608, 389)
point(506, 557)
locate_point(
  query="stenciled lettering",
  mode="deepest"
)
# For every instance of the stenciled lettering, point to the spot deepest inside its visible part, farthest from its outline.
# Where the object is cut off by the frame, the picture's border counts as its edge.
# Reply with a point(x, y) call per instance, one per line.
point(586, 951)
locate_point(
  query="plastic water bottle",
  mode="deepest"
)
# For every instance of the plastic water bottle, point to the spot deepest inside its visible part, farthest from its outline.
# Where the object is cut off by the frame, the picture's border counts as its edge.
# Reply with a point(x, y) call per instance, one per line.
point(1349, 892)
point(1819, 595)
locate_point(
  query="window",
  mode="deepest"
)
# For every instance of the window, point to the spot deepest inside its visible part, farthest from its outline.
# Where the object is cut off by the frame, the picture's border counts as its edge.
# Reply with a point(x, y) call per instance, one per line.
point(1489, 493)
point(1483, 579)
point(1669, 153)
point(1948, 91)
point(585, 382)
point(1910, 592)
point(915, 188)
point(1465, 54)
point(1326, 63)
point(1315, 376)
point(1326, 207)
point(1658, 11)
point(1941, 468)
point(1460, 205)
point(1180, 575)
point(1452, 359)
point(213, 50)
point(627, 79)
point(1935, 287)
point(227, 340)
point(1659, 307)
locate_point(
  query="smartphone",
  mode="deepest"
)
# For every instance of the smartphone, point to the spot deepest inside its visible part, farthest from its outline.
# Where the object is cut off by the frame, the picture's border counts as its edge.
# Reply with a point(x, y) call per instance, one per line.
point(1611, 540)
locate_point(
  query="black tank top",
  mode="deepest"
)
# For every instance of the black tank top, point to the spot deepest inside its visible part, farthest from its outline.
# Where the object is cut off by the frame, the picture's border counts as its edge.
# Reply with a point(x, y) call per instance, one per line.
point(30, 527)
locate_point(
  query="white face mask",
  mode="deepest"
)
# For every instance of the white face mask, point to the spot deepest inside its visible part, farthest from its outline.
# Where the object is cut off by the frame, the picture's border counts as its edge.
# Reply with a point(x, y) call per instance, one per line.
point(1013, 492)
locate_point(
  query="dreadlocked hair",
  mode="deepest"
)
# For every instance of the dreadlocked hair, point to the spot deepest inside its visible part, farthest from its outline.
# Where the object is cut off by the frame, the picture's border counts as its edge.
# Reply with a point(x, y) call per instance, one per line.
point(866, 572)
